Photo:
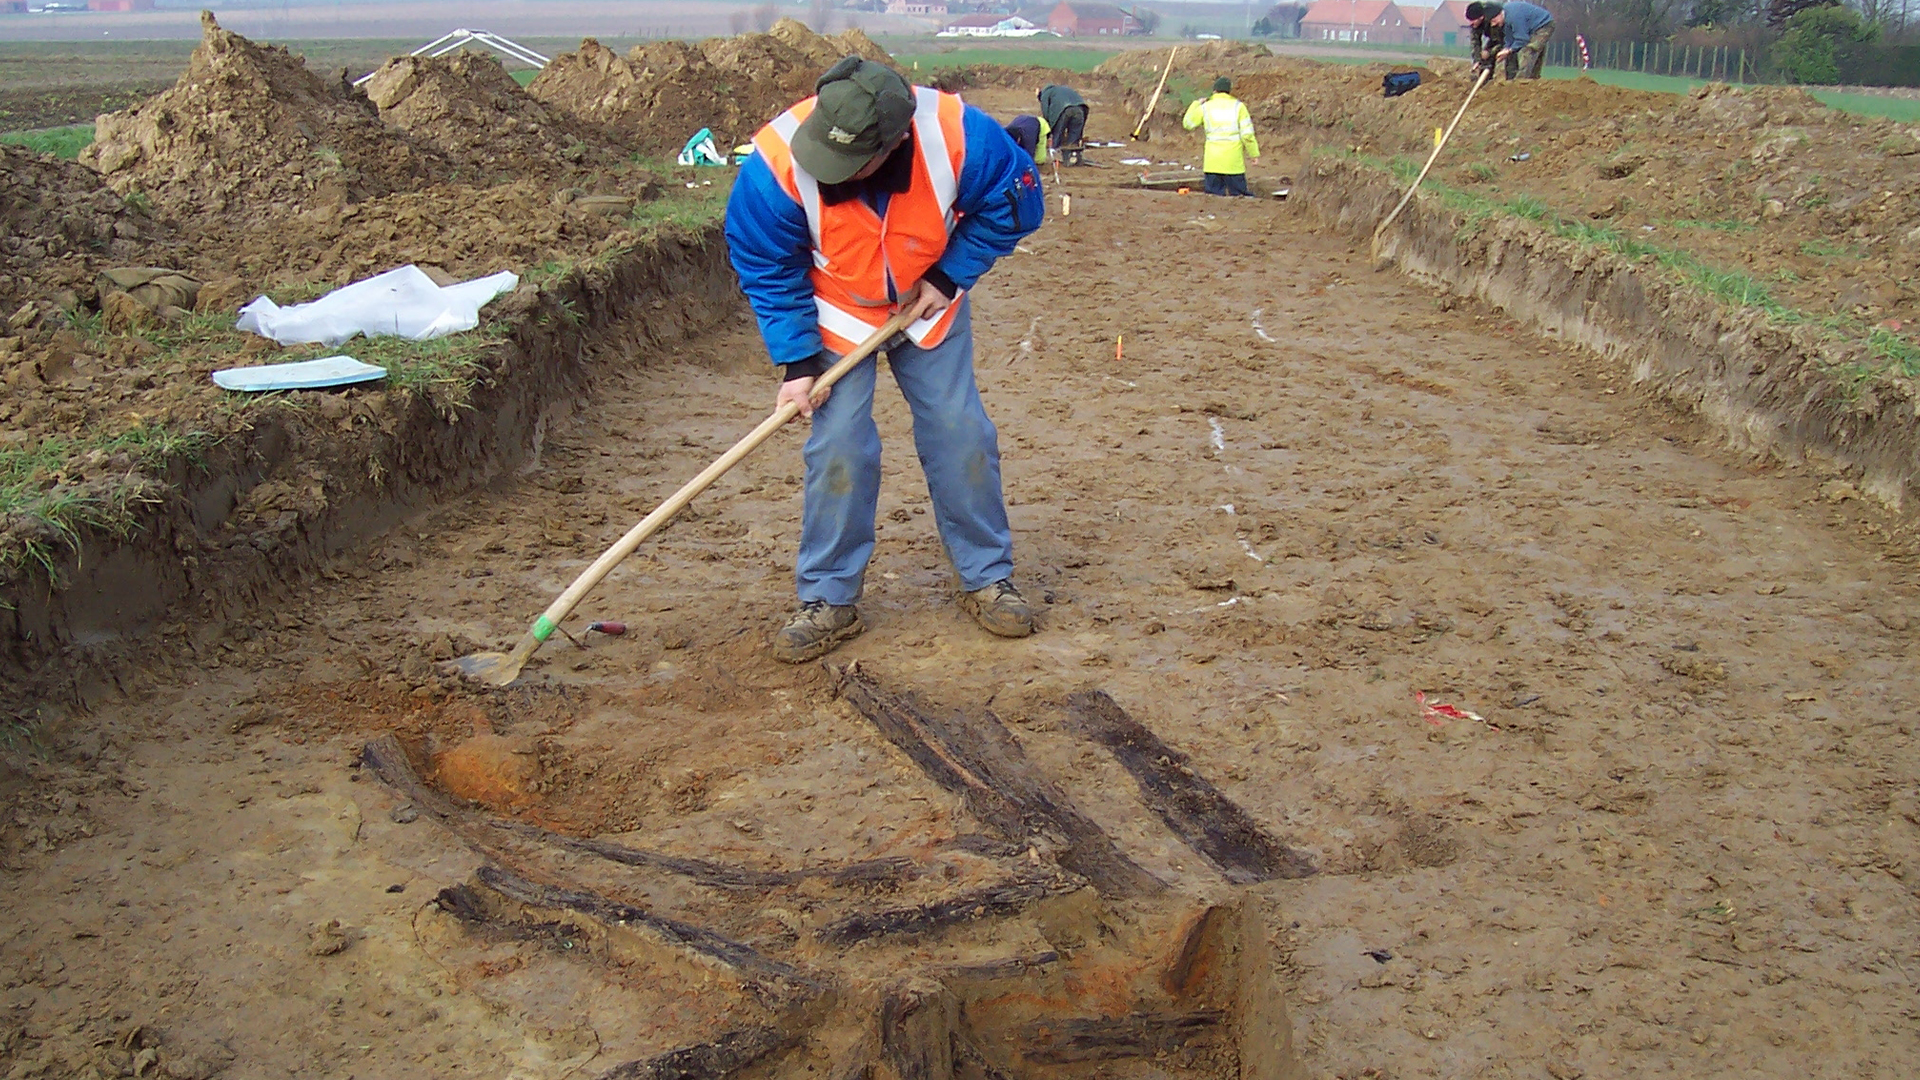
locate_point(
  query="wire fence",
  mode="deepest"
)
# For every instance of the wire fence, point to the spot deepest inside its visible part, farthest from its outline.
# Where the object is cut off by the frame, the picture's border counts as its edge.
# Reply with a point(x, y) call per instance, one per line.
point(1864, 65)
point(1718, 63)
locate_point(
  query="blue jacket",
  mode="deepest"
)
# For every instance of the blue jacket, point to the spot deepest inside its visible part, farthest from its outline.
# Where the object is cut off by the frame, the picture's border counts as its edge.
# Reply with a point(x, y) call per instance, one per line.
point(1523, 21)
point(999, 200)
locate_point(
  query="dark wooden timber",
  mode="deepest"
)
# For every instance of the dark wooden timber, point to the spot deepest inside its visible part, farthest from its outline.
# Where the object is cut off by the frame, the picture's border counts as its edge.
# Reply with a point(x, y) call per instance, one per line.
point(389, 762)
point(971, 1063)
point(1206, 820)
point(714, 1060)
point(917, 1020)
point(1005, 898)
point(980, 760)
point(546, 909)
point(1061, 1042)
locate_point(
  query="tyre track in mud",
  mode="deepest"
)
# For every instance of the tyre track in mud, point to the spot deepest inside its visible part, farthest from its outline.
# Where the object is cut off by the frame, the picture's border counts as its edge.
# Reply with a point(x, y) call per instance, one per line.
point(1679, 839)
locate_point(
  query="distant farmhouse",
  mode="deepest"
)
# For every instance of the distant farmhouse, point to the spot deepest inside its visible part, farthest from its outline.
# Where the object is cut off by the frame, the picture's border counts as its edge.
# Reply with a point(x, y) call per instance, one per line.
point(935, 8)
point(991, 25)
point(1442, 25)
point(1377, 21)
point(1092, 20)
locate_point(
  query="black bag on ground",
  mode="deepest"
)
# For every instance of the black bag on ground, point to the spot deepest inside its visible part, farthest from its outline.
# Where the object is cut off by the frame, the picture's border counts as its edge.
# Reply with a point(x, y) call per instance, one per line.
point(1399, 82)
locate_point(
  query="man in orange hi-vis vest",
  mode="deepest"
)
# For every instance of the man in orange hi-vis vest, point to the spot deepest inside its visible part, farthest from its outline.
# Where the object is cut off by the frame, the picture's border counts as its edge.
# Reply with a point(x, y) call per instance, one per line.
point(869, 198)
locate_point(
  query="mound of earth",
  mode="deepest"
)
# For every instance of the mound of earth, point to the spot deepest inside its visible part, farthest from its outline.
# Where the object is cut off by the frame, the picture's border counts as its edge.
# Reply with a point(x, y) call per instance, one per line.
point(250, 124)
point(469, 109)
point(660, 93)
point(59, 227)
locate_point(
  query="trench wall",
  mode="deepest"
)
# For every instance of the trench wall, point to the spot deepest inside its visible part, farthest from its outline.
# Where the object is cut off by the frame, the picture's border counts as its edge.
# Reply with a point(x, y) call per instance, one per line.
point(265, 509)
point(1779, 391)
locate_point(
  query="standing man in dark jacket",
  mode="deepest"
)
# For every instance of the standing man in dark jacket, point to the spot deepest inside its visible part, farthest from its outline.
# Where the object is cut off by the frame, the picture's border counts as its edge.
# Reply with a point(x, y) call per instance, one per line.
point(874, 197)
point(1065, 112)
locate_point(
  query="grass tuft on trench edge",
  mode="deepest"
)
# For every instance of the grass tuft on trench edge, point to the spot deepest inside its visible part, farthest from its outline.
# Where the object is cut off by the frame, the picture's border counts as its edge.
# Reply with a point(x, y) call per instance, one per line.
point(55, 492)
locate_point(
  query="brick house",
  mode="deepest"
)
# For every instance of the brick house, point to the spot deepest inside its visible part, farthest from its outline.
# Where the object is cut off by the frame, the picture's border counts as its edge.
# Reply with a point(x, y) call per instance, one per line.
point(1091, 20)
point(1444, 24)
point(1376, 21)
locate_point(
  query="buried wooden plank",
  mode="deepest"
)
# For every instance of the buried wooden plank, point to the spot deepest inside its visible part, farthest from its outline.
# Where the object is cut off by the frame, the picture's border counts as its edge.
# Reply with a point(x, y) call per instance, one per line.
point(499, 896)
point(715, 1060)
point(977, 758)
point(1197, 812)
point(1004, 898)
point(1141, 1035)
point(917, 1020)
point(388, 760)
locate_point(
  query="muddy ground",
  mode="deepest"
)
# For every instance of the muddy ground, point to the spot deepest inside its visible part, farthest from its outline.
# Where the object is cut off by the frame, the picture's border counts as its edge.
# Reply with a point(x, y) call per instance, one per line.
point(1304, 492)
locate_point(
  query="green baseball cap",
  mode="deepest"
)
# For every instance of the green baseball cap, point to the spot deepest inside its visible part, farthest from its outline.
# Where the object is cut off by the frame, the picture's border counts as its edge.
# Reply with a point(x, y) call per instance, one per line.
point(862, 108)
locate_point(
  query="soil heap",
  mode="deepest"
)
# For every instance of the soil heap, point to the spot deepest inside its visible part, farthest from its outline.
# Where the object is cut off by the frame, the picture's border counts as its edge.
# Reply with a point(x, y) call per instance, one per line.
point(469, 109)
point(249, 124)
point(662, 92)
point(59, 227)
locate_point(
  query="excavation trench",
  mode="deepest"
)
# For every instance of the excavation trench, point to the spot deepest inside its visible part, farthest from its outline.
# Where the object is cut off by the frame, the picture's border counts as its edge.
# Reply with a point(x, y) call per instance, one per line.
point(1786, 392)
point(246, 521)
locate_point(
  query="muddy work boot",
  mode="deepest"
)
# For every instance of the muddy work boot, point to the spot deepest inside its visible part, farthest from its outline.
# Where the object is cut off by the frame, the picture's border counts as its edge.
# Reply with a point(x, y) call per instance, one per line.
point(815, 630)
point(1000, 609)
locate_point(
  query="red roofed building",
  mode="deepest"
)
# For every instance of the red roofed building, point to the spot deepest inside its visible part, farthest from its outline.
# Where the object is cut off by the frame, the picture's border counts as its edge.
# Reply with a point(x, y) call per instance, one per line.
point(1091, 20)
point(1445, 24)
point(1357, 20)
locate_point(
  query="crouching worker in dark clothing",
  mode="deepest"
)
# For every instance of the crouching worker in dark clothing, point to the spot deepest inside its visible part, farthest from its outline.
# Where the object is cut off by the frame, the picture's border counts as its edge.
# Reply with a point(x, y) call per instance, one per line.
point(1064, 112)
point(1524, 32)
point(1029, 133)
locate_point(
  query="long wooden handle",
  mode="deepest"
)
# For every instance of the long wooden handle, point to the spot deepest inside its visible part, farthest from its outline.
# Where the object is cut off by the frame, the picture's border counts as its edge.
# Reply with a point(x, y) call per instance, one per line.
point(1155, 99)
point(543, 627)
point(1431, 158)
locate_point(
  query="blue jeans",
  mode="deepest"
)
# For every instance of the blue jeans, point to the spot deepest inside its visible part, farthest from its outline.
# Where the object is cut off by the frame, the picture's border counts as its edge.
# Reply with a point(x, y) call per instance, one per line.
point(959, 452)
point(1219, 183)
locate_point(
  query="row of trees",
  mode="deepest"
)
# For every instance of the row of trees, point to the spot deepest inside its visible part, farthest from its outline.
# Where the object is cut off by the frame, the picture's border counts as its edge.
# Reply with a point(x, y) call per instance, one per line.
point(1803, 41)
point(1741, 22)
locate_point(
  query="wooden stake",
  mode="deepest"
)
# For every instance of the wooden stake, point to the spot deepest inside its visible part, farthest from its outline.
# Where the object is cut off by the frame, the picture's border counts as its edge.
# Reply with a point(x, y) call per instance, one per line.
point(1155, 99)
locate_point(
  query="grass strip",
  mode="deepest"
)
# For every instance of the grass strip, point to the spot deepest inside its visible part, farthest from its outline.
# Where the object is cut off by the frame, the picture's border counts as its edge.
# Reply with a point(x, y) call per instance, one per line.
point(62, 142)
point(1013, 56)
point(45, 505)
point(1892, 353)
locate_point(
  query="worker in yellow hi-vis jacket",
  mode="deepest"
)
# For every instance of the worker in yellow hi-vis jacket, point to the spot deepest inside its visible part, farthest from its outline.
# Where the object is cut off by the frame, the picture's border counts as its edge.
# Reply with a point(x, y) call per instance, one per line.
point(1230, 141)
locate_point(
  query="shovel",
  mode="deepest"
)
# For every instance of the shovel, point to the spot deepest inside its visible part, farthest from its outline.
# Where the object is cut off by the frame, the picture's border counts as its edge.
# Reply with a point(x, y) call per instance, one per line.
point(1431, 158)
point(501, 669)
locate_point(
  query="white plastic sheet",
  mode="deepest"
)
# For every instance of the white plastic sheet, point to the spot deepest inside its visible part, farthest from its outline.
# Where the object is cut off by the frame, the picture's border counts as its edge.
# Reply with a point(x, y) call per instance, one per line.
point(401, 303)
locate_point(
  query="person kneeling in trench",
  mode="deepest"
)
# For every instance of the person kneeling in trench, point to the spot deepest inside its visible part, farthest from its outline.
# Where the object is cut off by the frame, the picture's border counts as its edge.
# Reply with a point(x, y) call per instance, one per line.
point(874, 197)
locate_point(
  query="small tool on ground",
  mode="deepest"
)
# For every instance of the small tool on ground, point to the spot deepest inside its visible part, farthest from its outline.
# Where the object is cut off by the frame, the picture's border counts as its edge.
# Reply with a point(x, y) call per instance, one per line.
point(1431, 158)
point(501, 669)
point(1139, 130)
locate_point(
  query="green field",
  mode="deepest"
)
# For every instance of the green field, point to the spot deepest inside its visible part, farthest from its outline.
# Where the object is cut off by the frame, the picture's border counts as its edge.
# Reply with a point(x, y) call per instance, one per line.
point(63, 142)
point(1903, 109)
point(1071, 59)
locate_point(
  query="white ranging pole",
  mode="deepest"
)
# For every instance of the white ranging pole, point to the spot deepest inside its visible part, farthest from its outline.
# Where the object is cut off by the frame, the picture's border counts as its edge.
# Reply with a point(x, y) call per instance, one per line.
point(458, 39)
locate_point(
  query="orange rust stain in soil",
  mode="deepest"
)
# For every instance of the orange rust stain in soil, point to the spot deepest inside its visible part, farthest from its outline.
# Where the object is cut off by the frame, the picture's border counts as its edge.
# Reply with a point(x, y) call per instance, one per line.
point(498, 771)
point(1108, 989)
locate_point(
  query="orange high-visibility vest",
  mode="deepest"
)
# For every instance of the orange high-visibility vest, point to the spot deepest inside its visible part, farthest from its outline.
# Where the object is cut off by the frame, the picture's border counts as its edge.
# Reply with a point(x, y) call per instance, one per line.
point(862, 261)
